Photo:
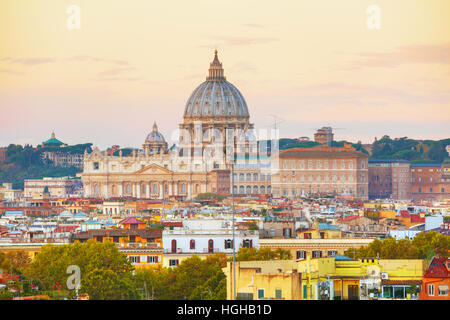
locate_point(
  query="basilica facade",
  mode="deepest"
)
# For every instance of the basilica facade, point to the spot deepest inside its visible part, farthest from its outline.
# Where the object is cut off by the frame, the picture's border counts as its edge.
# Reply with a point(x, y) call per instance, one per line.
point(214, 130)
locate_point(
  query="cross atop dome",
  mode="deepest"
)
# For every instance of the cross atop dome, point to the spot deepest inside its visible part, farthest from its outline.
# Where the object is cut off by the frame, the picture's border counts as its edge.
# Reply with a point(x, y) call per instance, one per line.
point(155, 127)
point(215, 70)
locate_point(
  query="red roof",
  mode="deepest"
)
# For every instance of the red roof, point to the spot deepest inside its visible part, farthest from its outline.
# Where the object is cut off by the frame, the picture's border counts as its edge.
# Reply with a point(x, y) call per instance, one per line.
point(65, 228)
point(131, 220)
point(438, 268)
point(417, 218)
point(348, 218)
point(173, 224)
point(404, 213)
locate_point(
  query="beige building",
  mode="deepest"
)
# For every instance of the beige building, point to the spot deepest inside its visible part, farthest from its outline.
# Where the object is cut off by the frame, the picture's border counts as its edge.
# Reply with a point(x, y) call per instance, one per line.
point(57, 187)
point(314, 248)
point(215, 127)
point(320, 170)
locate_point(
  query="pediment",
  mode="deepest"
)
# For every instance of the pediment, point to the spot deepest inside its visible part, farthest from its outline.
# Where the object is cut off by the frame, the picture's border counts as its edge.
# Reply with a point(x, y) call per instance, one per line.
point(153, 169)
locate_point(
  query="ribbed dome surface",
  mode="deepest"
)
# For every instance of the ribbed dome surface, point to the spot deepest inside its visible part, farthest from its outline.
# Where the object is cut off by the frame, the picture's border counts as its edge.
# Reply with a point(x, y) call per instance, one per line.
point(216, 97)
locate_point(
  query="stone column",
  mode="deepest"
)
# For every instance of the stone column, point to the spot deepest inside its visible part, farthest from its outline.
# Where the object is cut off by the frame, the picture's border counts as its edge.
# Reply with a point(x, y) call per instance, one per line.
point(121, 189)
point(189, 190)
point(170, 189)
point(148, 190)
point(138, 191)
point(161, 190)
point(133, 189)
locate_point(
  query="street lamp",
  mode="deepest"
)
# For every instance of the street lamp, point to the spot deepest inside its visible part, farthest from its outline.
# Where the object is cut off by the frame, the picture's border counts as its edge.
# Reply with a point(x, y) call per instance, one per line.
point(234, 243)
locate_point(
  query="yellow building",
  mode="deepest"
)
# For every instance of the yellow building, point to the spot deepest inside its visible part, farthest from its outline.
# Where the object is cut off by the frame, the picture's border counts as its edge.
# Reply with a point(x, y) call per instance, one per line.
point(321, 231)
point(276, 279)
point(333, 278)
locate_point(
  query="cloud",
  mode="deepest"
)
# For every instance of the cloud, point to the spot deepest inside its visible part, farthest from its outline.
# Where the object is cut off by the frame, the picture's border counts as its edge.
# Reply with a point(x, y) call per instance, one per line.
point(239, 41)
point(115, 71)
point(87, 58)
point(29, 61)
point(3, 70)
point(414, 54)
point(253, 25)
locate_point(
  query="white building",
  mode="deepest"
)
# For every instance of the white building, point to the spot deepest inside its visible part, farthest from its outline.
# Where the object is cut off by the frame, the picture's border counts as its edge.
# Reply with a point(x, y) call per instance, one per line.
point(113, 207)
point(206, 236)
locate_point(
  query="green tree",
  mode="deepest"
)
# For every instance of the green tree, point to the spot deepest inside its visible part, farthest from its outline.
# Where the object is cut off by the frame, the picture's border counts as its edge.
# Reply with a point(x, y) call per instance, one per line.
point(50, 266)
point(103, 284)
point(417, 248)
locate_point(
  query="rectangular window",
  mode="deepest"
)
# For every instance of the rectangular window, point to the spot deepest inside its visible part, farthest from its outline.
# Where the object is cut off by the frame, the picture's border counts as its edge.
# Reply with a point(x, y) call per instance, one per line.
point(134, 259)
point(173, 262)
point(152, 259)
point(317, 254)
point(260, 293)
point(278, 294)
point(96, 165)
point(332, 253)
point(431, 290)
point(301, 254)
point(443, 290)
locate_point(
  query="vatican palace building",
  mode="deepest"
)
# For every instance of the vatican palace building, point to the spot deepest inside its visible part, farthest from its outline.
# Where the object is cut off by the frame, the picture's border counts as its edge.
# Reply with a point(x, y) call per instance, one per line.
point(216, 138)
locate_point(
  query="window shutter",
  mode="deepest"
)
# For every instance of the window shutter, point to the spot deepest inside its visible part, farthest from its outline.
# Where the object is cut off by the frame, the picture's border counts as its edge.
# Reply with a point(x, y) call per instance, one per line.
point(251, 243)
point(148, 259)
point(225, 245)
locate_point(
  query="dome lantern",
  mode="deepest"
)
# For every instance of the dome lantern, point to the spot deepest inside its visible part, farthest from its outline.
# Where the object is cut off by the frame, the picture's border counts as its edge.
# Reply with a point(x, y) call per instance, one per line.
point(215, 70)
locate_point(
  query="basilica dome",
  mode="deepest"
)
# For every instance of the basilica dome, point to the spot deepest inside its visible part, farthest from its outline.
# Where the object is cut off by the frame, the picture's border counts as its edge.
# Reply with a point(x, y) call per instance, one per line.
point(155, 135)
point(216, 97)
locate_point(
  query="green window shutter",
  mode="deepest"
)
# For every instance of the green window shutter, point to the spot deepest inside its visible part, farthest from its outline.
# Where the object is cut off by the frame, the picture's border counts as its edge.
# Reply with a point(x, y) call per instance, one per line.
point(278, 294)
point(305, 292)
point(260, 293)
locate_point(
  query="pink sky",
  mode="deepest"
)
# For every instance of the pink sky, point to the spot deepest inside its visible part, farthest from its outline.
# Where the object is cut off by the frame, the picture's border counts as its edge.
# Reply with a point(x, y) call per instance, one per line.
point(311, 63)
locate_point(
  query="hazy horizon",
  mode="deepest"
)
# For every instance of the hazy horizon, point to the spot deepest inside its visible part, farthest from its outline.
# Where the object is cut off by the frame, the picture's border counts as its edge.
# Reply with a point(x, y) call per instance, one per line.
point(310, 63)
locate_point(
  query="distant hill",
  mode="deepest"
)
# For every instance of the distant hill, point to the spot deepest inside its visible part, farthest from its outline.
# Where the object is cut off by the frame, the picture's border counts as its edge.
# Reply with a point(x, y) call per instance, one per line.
point(25, 163)
point(410, 149)
point(287, 143)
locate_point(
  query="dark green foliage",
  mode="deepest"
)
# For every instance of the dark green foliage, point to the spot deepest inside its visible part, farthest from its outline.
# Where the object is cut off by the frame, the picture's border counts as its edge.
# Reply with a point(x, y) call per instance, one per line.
point(410, 149)
point(194, 278)
point(209, 196)
point(417, 248)
point(25, 163)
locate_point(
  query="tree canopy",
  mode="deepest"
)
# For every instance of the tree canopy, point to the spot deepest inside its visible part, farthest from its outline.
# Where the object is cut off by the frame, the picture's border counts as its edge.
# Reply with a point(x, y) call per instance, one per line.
point(417, 248)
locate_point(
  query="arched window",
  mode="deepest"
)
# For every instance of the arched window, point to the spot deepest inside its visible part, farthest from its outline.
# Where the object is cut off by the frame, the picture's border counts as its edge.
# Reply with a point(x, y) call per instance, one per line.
point(174, 246)
point(234, 189)
point(155, 188)
point(210, 245)
point(183, 188)
point(262, 189)
point(249, 189)
point(255, 177)
point(255, 189)
point(249, 177)
point(269, 189)
point(96, 191)
point(241, 177)
point(241, 189)
point(128, 189)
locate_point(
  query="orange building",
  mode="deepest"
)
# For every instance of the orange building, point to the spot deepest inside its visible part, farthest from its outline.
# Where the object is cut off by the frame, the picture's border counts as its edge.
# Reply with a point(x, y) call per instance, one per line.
point(142, 246)
point(436, 280)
